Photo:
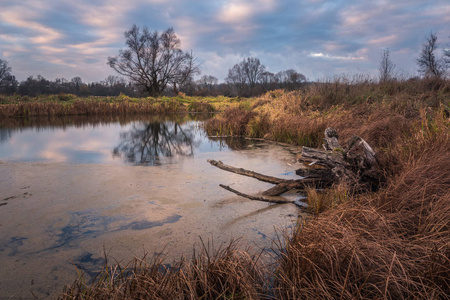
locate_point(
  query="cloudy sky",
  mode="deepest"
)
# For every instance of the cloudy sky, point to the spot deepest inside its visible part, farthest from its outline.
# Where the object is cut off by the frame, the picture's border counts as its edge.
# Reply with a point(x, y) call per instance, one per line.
point(61, 38)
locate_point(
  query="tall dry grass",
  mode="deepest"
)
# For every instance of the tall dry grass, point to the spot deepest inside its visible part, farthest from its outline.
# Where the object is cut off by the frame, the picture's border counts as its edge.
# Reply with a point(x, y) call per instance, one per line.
point(87, 107)
point(223, 273)
point(393, 244)
point(389, 244)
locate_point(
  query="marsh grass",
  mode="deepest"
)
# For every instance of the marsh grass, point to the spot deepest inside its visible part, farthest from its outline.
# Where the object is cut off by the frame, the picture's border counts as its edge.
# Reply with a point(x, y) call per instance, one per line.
point(233, 121)
point(201, 107)
point(67, 104)
point(393, 244)
point(322, 200)
point(389, 244)
point(223, 273)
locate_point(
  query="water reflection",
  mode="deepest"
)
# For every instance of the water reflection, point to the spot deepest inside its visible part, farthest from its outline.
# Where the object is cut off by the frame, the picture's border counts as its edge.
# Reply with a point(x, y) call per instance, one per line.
point(143, 140)
point(148, 143)
point(5, 134)
point(61, 215)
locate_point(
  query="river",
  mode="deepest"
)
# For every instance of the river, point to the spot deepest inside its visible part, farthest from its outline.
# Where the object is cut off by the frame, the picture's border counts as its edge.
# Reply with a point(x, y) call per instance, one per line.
point(74, 188)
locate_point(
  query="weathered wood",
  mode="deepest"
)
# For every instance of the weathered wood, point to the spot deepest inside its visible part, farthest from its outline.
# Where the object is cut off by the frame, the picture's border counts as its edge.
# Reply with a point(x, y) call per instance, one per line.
point(331, 139)
point(255, 197)
point(355, 164)
point(241, 171)
point(299, 203)
point(283, 188)
point(282, 185)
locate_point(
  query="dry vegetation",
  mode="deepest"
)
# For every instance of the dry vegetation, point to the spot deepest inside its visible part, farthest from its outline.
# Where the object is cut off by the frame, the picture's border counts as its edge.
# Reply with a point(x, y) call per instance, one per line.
point(70, 105)
point(391, 244)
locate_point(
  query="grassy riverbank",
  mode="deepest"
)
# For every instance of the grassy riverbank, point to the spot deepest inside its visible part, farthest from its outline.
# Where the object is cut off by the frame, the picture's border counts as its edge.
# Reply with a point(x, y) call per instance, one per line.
point(69, 105)
point(391, 244)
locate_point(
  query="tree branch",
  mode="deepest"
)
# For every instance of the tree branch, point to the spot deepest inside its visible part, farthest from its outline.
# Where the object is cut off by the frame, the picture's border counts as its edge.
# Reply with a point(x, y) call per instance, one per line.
point(241, 171)
point(278, 201)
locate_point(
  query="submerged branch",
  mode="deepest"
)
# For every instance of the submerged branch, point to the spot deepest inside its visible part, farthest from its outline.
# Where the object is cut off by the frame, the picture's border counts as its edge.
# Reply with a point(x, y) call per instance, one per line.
point(255, 197)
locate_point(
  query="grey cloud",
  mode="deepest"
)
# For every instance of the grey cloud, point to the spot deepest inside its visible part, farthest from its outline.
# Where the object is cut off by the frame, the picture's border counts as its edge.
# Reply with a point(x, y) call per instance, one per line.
point(283, 35)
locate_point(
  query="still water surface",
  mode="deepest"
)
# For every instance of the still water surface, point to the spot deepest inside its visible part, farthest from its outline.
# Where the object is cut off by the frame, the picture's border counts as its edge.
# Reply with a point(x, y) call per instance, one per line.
point(72, 187)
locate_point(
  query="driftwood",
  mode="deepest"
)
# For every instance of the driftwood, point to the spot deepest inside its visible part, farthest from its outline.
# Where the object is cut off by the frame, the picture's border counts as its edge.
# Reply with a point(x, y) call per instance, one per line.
point(355, 165)
point(255, 197)
point(282, 185)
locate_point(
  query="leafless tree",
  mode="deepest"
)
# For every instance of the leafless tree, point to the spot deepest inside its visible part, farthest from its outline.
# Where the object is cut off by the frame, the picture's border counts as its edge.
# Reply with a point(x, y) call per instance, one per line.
point(154, 61)
point(386, 68)
point(237, 78)
point(290, 79)
point(207, 82)
point(268, 80)
point(446, 56)
point(112, 80)
point(8, 82)
point(246, 73)
point(429, 65)
point(5, 69)
point(76, 82)
point(253, 70)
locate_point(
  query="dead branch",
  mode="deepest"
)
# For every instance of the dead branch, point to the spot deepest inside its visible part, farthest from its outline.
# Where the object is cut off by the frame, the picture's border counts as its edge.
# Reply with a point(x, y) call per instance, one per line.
point(355, 164)
point(282, 185)
point(255, 197)
point(241, 171)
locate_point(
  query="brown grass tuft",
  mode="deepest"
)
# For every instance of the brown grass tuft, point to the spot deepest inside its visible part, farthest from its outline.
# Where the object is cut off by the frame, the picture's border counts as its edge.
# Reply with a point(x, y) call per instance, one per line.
point(225, 273)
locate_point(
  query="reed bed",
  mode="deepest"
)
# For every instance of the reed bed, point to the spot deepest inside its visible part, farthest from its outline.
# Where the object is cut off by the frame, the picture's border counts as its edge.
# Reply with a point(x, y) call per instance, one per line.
point(66, 104)
point(87, 107)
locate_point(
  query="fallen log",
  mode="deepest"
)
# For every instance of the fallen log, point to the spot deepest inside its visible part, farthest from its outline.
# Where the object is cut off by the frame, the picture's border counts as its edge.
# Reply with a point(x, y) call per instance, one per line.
point(245, 172)
point(255, 197)
point(282, 185)
point(354, 164)
point(297, 202)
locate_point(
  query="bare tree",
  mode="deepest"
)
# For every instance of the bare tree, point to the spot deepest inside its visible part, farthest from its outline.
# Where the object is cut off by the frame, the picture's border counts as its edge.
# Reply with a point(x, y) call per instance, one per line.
point(5, 69)
point(253, 70)
point(112, 80)
point(386, 68)
point(207, 82)
point(290, 79)
point(154, 61)
point(248, 72)
point(8, 82)
point(429, 65)
point(76, 82)
point(446, 56)
point(237, 78)
point(268, 80)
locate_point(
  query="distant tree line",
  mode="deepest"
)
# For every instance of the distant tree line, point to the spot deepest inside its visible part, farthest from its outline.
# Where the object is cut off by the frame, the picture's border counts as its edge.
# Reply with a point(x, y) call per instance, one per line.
point(154, 64)
point(38, 85)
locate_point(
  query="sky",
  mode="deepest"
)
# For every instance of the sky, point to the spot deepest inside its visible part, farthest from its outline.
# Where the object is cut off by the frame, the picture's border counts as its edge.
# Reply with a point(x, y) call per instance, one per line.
point(320, 39)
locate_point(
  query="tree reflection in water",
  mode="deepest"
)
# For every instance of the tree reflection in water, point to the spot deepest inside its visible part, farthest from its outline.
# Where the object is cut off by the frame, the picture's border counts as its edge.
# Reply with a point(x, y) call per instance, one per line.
point(5, 134)
point(148, 143)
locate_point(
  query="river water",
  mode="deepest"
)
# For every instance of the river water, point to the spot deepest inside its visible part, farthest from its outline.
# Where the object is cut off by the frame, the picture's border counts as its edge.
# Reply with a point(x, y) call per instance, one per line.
point(72, 188)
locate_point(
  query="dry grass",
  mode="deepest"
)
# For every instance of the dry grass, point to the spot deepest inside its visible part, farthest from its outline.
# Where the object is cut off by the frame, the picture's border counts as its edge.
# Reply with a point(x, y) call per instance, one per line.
point(394, 244)
point(225, 273)
point(86, 107)
point(320, 201)
point(391, 244)
point(233, 121)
